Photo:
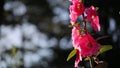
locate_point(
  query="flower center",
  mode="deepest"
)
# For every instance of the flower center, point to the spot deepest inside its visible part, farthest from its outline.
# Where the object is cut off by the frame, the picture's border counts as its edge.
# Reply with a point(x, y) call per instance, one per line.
point(89, 45)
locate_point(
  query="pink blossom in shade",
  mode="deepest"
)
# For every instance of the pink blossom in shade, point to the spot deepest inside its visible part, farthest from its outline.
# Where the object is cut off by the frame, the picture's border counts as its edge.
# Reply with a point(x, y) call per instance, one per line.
point(95, 23)
point(93, 17)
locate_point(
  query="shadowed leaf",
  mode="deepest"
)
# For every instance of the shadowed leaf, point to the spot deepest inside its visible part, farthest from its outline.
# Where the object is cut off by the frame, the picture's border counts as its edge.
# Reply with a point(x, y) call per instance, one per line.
point(97, 8)
point(87, 58)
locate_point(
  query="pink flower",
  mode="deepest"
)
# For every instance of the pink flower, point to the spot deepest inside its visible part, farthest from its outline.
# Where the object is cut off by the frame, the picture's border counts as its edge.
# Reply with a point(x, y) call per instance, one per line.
point(89, 46)
point(84, 44)
point(76, 9)
point(93, 17)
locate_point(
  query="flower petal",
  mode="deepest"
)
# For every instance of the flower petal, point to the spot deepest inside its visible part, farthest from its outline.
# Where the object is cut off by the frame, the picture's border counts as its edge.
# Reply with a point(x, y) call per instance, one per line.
point(78, 58)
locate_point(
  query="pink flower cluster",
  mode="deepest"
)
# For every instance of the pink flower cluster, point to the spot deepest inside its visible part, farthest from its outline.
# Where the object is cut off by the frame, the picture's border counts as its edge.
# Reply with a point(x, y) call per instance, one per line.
point(77, 9)
point(84, 43)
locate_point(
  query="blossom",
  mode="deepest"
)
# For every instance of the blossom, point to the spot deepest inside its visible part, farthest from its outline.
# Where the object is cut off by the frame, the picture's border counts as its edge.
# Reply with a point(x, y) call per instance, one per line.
point(84, 44)
point(76, 9)
point(89, 46)
point(93, 17)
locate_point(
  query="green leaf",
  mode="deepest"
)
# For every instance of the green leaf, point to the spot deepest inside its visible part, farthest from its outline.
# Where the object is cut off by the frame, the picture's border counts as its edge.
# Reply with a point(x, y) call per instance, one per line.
point(104, 48)
point(72, 53)
point(97, 8)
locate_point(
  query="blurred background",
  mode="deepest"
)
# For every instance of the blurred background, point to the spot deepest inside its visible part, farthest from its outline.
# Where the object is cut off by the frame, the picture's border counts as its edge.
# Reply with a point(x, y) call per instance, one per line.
point(35, 33)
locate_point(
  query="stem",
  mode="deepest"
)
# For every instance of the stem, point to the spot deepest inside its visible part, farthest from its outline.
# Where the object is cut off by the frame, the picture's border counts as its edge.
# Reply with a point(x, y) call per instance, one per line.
point(101, 38)
point(84, 21)
point(85, 25)
point(91, 62)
